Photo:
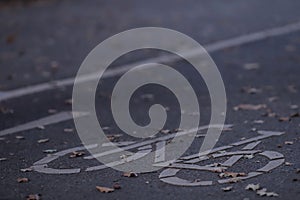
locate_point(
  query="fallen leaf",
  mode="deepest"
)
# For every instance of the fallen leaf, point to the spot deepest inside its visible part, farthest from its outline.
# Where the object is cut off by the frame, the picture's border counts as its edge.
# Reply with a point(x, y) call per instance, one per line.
point(294, 107)
point(292, 89)
point(5, 110)
point(272, 99)
point(290, 48)
point(231, 174)
point(77, 154)
point(165, 131)
point(297, 171)
point(250, 90)
point(43, 140)
point(3, 159)
point(147, 97)
point(22, 180)
point(295, 115)
point(253, 187)
point(50, 151)
point(130, 174)
point(68, 130)
point(227, 189)
point(26, 169)
point(249, 107)
point(19, 137)
point(250, 156)
point(113, 137)
point(288, 164)
point(269, 113)
point(258, 121)
point(10, 38)
point(284, 119)
point(288, 142)
point(52, 111)
point(41, 127)
point(234, 180)
point(117, 186)
point(263, 192)
point(34, 197)
point(251, 66)
point(104, 189)
point(69, 101)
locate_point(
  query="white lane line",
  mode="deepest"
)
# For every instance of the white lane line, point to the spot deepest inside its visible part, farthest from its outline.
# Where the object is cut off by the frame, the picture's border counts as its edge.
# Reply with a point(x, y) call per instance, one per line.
point(52, 119)
point(223, 44)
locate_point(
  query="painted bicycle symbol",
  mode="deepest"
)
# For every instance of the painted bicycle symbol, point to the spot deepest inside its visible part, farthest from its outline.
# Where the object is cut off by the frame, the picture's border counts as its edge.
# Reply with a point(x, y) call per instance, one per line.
point(172, 168)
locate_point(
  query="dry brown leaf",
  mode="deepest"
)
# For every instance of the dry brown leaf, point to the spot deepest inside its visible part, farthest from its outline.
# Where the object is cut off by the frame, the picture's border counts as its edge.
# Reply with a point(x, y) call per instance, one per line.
point(258, 121)
point(26, 169)
point(263, 192)
point(117, 186)
point(113, 137)
point(50, 151)
point(34, 197)
point(284, 119)
point(3, 159)
point(250, 90)
point(288, 142)
point(294, 107)
point(227, 189)
point(5, 110)
point(22, 180)
point(41, 127)
point(20, 137)
point(77, 154)
point(165, 131)
point(249, 107)
point(292, 89)
point(272, 99)
point(52, 111)
point(251, 66)
point(68, 130)
point(288, 164)
point(231, 174)
point(69, 101)
point(130, 174)
point(253, 187)
point(43, 140)
point(234, 180)
point(295, 115)
point(10, 38)
point(104, 189)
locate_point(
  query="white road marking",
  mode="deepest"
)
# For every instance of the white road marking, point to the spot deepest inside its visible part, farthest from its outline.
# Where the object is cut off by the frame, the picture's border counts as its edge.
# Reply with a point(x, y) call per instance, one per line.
point(234, 159)
point(163, 138)
point(160, 151)
point(271, 165)
point(223, 44)
point(52, 119)
point(134, 157)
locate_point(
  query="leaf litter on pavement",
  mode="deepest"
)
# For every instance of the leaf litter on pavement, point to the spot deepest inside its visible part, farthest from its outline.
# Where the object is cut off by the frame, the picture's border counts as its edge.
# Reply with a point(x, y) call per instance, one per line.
point(260, 191)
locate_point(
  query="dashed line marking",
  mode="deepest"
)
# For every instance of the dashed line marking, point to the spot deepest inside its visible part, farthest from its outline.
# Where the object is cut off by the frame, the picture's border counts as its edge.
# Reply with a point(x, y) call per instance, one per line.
point(52, 119)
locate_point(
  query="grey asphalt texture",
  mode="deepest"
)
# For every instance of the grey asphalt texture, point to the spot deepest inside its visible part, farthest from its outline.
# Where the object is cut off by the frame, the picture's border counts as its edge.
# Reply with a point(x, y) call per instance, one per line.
point(47, 40)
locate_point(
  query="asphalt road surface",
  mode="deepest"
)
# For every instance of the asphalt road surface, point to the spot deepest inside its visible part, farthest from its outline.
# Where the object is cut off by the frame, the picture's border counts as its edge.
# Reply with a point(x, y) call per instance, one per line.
point(256, 47)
